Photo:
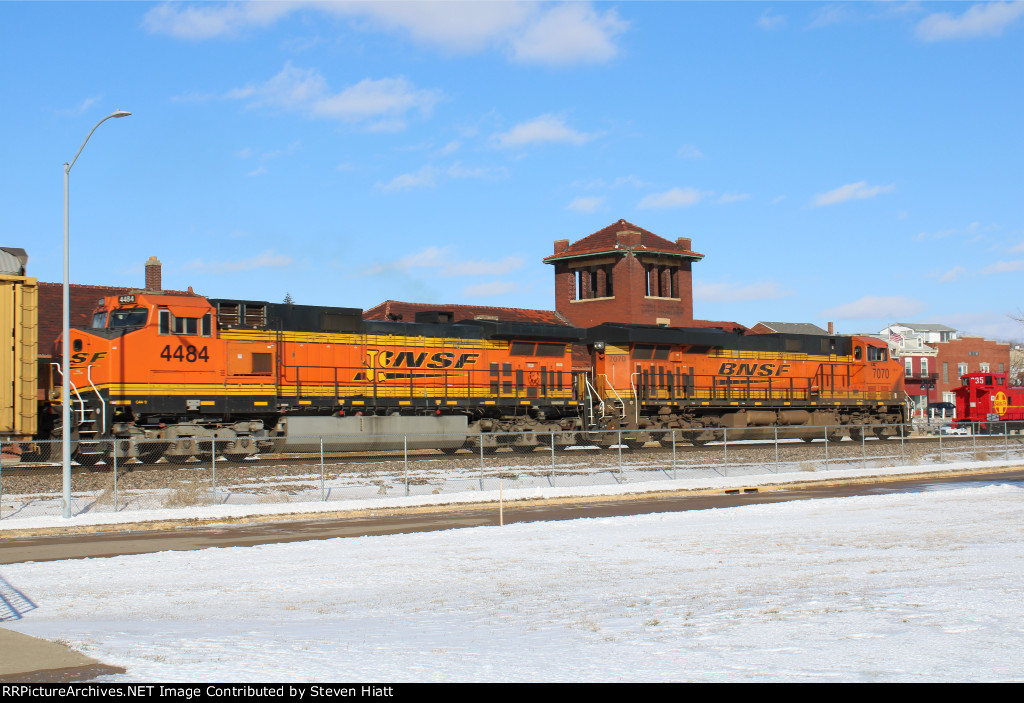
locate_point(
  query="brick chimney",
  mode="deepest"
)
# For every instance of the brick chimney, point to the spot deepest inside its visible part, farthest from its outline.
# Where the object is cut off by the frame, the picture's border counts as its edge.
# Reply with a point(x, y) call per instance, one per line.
point(153, 274)
point(831, 328)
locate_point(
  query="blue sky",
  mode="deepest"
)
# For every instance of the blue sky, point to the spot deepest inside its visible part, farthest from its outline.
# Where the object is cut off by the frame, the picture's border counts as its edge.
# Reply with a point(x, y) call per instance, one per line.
point(855, 162)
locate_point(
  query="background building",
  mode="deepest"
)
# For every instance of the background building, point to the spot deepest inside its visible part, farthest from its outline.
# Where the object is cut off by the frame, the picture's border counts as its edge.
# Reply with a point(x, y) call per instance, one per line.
point(936, 356)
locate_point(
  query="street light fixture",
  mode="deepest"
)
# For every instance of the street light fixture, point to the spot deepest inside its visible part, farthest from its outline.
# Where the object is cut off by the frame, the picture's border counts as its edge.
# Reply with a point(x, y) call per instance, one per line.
point(65, 396)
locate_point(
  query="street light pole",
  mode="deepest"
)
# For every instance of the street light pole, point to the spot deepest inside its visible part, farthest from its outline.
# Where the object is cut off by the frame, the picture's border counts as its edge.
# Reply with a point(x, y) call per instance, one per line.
point(65, 393)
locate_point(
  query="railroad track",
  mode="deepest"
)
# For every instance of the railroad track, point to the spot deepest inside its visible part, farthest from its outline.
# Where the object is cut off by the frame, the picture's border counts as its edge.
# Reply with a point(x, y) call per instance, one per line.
point(338, 460)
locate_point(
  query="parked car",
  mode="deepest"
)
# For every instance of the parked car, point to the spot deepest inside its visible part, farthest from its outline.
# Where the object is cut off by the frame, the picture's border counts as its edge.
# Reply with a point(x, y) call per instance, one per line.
point(954, 430)
point(939, 408)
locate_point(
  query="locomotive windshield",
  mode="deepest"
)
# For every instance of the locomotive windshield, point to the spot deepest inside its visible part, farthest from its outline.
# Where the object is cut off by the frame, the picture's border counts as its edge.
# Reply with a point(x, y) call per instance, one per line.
point(128, 317)
point(99, 320)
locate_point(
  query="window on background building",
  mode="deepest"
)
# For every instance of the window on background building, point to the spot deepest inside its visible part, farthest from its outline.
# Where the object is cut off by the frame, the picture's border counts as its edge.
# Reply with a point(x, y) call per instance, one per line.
point(909, 367)
point(961, 369)
point(984, 367)
point(924, 367)
point(945, 372)
point(1000, 367)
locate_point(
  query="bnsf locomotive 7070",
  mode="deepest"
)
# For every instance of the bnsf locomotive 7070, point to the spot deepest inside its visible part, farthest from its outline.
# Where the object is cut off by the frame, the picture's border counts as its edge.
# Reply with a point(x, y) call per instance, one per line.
point(166, 374)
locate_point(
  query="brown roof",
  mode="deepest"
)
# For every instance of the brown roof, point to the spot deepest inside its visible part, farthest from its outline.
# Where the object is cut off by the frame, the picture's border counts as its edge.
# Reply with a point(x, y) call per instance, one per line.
point(624, 236)
point(464, 312)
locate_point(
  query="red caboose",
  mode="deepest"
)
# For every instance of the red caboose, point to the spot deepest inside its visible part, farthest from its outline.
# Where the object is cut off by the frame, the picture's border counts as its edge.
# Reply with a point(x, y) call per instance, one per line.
point(989, 402)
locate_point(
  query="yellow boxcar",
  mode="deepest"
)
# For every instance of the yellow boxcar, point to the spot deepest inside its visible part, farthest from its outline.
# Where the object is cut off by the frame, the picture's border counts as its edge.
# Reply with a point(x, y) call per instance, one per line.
point(19, 319)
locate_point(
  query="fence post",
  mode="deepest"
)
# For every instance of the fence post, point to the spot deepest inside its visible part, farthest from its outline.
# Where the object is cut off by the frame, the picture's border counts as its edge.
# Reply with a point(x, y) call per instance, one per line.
point(863, 447)
point(405, 460)
point(903, 432)
point(826, 447)
point(213, 463)
point(323, 485)
point(619, 445)
point(1006, 440)
point(552, 458)
point(940, 446)
point(725, 449)
point(974, 446)
point(776, 428)
point(113, 453)
point(674, 476)
point(481, 460)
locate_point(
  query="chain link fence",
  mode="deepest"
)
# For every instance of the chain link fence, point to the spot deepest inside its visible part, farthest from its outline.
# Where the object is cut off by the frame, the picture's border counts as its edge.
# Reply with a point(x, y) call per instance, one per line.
point(127, 475)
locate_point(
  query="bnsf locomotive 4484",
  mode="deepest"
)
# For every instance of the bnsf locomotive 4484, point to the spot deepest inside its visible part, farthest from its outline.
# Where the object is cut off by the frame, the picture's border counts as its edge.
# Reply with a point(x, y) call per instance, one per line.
point(167, 374)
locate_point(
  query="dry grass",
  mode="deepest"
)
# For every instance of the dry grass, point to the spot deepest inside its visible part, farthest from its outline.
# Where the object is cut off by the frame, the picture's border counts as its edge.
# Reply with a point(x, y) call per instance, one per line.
point(189, 492)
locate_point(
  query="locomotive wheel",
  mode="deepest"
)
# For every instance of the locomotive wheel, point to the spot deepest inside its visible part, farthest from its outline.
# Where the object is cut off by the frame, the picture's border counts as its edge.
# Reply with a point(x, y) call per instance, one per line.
point(856, 433)
point(807, 439)
point(880, 433)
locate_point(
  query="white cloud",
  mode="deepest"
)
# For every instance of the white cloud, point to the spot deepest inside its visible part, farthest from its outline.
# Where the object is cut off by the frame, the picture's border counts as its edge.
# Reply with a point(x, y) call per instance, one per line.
point(689, 151)
point(459, 170)
point(851, 191)
point(585, 204)
point(727, 198)
point(567, 34)
point(952, 275)
point(872, 306)
point(546, 128)
point(778, 199)
point(769, 22)
point(443, 258)
point(982, 19)
point(216, 20)
point(306, 91)
point(972, 231)
point(268, 259)
point(557, 34)
point(732, 292)
point(489, 290)
point(423, 178)
point(676, 197)
point(259, 171)
point(371, 98)
point(1004, 267)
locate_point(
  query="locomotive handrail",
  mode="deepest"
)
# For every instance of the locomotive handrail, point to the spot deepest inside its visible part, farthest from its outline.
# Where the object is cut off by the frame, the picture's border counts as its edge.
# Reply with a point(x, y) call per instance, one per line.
point(617, 396)
point(99, 398)
point(636, 399)
point(591, 395)
point(74, 389)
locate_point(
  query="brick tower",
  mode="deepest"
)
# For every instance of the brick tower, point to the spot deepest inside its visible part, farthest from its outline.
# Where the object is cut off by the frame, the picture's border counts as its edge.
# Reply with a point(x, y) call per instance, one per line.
point(624, 273)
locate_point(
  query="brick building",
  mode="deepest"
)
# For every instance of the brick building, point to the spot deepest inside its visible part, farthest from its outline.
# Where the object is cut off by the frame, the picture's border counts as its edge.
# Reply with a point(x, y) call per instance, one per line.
point(623, 273)
point(935, 356)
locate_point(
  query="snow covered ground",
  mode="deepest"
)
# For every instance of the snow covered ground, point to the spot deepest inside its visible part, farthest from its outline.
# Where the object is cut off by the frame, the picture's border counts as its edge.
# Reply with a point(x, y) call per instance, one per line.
point(920, 586)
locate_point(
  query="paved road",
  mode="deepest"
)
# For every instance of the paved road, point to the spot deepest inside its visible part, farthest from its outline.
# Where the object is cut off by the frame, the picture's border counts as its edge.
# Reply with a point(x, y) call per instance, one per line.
point(114, 543)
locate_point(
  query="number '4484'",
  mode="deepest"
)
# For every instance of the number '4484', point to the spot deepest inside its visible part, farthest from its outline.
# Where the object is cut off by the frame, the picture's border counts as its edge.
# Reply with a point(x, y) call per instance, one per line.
point(185, 353)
